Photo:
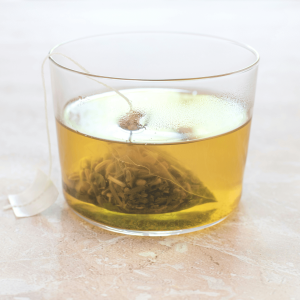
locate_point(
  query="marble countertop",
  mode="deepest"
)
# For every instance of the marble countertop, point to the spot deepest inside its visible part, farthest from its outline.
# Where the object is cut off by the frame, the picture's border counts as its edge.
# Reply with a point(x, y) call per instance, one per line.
point(254, 254)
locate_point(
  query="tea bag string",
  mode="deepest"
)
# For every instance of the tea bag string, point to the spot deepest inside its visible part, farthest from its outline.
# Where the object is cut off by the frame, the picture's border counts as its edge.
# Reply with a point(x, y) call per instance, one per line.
point(45, 98)
point(9, 206)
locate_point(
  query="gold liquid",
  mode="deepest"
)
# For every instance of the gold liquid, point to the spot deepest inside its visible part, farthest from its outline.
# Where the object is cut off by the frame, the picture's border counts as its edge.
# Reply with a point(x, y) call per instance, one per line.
point(218, 162)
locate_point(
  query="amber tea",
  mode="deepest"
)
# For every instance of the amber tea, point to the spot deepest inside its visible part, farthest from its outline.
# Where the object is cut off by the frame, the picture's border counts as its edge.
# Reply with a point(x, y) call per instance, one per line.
point(175, 161)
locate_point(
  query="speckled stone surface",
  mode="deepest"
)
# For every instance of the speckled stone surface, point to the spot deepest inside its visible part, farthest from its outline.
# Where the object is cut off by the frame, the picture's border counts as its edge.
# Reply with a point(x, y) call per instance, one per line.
point(254, 254)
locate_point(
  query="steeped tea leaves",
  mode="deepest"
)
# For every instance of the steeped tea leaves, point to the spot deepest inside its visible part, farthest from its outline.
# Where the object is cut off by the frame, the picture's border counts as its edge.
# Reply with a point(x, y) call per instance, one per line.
point(138, 179)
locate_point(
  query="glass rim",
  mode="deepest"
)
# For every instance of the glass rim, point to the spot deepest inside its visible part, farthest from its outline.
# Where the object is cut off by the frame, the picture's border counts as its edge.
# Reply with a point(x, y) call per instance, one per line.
point(243, 45)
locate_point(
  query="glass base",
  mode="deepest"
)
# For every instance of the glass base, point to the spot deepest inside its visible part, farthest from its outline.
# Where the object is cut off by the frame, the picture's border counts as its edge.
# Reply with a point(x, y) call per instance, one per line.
point(143, 232)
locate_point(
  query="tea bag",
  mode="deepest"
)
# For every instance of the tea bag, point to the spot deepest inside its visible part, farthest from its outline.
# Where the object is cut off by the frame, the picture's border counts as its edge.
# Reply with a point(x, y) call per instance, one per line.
point(43, 193)
point(136, 179)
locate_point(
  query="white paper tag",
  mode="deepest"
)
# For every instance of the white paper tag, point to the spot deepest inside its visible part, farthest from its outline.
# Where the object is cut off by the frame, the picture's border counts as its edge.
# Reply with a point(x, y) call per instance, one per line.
point(38, 197)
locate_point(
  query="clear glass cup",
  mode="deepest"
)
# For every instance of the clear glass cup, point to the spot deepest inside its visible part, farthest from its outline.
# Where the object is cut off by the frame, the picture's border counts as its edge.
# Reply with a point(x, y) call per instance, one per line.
point(153, 128)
